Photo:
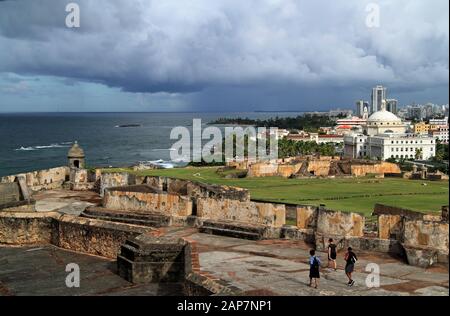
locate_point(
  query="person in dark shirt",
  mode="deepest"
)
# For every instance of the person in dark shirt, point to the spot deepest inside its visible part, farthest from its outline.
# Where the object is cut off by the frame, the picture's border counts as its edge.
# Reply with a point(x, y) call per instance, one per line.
point(332, 254)
point(314, 270)
point(350, 259)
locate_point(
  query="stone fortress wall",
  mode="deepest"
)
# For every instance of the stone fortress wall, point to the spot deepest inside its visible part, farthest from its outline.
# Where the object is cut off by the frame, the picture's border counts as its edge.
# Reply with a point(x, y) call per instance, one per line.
point(423, 239)
point(311, 166)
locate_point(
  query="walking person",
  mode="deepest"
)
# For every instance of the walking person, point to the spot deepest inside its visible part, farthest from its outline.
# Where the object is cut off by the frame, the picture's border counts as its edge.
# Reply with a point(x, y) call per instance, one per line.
point(350, 259)
point(332, 254)
point(314, 270)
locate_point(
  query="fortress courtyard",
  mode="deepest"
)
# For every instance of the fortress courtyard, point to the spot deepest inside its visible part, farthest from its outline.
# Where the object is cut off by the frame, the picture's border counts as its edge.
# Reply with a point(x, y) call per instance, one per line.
point(266, 267)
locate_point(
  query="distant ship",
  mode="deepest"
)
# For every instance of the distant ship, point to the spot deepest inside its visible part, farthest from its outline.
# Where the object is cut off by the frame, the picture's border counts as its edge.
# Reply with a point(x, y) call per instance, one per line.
point(130, 125)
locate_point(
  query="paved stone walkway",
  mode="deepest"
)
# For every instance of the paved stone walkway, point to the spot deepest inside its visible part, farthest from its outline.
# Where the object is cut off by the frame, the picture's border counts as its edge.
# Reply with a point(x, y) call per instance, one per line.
point(276, 267)
point(41, 271)
point(281, 268)
point(64, 201)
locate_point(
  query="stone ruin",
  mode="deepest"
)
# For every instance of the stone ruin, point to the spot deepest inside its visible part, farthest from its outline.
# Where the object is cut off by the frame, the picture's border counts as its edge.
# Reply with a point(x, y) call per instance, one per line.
point(423, 173)
point(126, 225)
point(311, 166)
point(15, 195)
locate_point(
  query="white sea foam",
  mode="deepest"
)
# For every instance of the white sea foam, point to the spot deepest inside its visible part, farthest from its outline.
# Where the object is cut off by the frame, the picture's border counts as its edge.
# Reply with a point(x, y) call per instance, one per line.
point(31, 148)
point(160, 163)
point(25, 148)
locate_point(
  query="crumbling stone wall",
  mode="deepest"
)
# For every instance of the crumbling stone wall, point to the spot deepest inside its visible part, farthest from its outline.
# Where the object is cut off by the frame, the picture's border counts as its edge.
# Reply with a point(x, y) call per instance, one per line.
point(444, 214)
point(287, 171)
point(340, 223)
point(361, 170)
point(23, 228)
point(82, 180)
point(427, 234)
point(15, 196)
point(115, 179)
point(196, 190)
point(93, 236)
point(145, 199)
point(320, 167)
point(273, 215)
point(306, 217)
point(9, 193)
point(263, 169)
point(390, 227)
point(426, 242)
point(65, 231)
point(48, 179)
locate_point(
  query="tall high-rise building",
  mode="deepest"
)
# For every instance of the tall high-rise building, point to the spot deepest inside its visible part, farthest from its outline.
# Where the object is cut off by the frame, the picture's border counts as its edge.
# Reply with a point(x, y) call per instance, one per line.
point(361, 107)
point(378, 95)
point(392, 106)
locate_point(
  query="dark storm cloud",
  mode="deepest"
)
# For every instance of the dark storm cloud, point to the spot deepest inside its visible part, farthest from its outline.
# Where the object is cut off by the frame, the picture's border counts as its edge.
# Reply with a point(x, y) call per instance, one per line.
point(230, 45)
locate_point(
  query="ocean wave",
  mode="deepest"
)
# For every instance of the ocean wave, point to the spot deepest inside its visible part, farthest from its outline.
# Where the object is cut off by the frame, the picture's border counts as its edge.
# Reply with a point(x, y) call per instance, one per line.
point(164, 149)
point(160, 163)
point(31, 148)
point(25, 148)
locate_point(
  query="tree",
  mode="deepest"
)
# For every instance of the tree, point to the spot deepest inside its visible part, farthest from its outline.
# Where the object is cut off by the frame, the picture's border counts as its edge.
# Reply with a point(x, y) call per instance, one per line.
point(419, 154)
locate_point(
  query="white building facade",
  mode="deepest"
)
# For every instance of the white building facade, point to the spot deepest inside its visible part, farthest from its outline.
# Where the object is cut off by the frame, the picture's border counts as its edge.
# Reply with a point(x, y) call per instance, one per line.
point(386, 137)
point(386, 146)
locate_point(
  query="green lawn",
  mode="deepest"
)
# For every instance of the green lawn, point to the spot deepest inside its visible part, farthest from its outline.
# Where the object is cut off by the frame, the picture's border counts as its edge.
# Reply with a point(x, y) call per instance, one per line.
point(355, 195)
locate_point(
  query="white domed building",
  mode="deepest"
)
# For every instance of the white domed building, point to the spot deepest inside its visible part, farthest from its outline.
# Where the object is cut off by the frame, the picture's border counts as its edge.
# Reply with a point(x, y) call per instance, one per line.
point(385, 136)
point(382, 122)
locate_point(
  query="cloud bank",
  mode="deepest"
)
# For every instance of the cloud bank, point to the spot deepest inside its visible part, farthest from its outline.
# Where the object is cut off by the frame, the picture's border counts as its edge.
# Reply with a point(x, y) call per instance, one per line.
point(207, 47)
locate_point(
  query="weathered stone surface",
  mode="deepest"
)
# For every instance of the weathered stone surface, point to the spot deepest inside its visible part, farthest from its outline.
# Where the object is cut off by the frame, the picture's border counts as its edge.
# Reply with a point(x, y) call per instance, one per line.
point(423, 257)
point(427, 234)
point(115, 179)
point(390, 227)
point(9, 192)
point(15, 197)
point(143, 219)
point(43, 179)
point(145, 199)
point(195, 190)
point(294, 233)
point(93, 236)
point(269, 214)
point(317, 166)
point(25, 228)
point(381, 209)
point(444, 213)
point(237, 230)
point(361, 170)
point(147, 259)
point(375, 245)
point(262, 170)
point(68, 232)
point(340, 224)
point(306, 217)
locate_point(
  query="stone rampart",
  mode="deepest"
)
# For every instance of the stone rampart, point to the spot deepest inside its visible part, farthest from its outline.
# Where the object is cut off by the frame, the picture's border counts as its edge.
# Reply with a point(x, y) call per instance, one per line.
point(115, 179)
point(142, 198)
point(268, 214)
point(48, 179)
point(65, 231)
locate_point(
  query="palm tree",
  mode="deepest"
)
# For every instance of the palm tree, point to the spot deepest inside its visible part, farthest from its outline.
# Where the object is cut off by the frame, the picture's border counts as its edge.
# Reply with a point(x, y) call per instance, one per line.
point(419, 154)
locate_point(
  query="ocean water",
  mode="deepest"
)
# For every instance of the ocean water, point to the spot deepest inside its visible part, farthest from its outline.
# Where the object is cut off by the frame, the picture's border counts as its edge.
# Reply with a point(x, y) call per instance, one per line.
point(31, 142)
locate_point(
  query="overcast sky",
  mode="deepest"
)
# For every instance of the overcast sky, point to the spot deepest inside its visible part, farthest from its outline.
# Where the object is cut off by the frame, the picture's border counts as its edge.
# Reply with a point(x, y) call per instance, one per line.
point(220, 55)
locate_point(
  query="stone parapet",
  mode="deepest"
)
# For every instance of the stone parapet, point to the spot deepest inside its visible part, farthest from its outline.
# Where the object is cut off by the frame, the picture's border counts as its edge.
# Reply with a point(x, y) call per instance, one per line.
point(253, 213)
point(48, 179)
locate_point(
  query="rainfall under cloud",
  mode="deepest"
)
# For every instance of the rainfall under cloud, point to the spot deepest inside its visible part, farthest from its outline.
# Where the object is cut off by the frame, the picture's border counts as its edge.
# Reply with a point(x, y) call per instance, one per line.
point(219, 54)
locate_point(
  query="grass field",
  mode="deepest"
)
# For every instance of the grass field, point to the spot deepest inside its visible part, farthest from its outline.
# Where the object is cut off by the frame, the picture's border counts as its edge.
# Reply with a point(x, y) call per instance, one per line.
point(355, 195)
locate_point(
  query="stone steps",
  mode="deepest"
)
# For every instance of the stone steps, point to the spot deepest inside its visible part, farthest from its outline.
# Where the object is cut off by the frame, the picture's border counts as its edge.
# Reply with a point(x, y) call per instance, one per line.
point(235, 230)
point(147, 219)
